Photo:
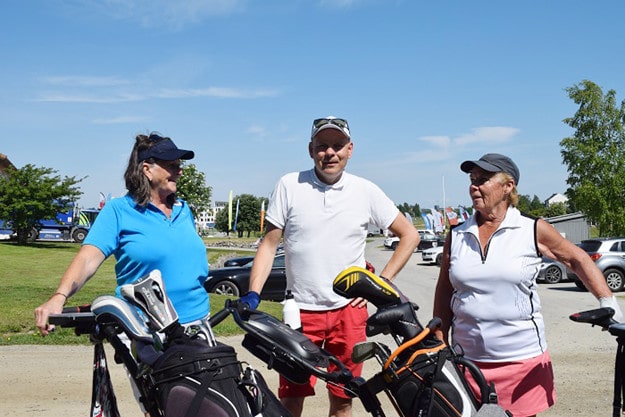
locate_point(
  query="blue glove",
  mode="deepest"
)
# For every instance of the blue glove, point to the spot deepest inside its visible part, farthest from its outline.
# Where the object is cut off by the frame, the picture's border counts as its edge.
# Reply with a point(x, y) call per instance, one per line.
point(252, 299)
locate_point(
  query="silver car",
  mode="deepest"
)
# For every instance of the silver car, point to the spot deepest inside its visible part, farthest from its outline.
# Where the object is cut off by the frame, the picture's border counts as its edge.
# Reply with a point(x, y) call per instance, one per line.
point(609, 256)
point(551, 271)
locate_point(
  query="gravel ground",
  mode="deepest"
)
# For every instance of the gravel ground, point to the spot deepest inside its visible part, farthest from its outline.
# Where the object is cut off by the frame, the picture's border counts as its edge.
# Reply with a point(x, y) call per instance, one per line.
point(56, 380)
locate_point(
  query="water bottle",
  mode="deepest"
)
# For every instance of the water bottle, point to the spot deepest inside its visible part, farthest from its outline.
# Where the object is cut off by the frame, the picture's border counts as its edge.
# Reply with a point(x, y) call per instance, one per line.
point(290, 312)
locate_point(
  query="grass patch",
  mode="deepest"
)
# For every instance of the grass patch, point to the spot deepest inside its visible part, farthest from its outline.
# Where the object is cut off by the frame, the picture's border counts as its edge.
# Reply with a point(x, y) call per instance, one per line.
point(30, 274)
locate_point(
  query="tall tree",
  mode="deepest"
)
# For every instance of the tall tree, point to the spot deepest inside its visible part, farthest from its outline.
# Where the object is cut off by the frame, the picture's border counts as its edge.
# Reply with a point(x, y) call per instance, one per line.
point(248, 219)
point(192, 188)
point(31, 193)
point(595, 157)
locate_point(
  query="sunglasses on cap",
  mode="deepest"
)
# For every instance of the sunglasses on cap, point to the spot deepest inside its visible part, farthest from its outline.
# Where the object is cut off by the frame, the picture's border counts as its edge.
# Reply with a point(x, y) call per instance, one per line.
point(327, 122)
point(342, 123)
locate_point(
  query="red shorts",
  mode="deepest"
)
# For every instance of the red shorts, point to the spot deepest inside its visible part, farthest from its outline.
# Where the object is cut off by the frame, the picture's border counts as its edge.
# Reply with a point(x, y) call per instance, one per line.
point(336, 331)
point(524, 387)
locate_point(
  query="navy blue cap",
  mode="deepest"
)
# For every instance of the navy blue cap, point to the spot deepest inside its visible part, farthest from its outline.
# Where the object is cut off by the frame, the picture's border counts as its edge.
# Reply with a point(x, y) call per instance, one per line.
point(165, 150)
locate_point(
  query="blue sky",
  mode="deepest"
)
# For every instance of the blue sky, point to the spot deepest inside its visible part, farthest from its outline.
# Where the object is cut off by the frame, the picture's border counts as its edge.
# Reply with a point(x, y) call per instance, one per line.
point(424, 85)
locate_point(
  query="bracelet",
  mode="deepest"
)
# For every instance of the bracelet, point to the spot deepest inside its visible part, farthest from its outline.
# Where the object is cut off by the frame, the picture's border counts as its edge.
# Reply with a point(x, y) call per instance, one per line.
point(60, 293)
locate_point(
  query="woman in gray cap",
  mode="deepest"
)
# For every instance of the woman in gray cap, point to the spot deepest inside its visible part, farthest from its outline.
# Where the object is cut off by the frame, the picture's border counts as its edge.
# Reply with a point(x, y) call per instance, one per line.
point(487, 293)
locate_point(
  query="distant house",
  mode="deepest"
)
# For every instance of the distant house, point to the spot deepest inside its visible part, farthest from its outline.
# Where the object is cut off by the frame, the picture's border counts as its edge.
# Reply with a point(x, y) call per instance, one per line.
point(572, 226)
point(556, 198)
point(4, 164)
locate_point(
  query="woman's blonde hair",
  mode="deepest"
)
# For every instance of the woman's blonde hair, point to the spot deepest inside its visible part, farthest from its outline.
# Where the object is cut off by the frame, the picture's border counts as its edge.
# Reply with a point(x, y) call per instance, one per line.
point(513, 197)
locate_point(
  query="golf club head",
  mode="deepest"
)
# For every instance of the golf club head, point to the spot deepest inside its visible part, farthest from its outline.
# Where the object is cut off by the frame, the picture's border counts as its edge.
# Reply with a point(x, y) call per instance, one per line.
point(400, 320)
point(356, 282)
point(125, 314)
point(367, 350)
point(148, 293)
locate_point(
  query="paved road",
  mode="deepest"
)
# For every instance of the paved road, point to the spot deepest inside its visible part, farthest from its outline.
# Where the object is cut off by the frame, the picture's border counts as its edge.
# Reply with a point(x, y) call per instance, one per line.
point(38, 381)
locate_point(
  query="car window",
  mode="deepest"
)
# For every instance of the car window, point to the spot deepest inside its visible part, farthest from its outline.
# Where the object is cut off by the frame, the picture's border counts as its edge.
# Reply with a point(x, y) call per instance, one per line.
point(590, 245)
point(618, 246)
point(278, 262)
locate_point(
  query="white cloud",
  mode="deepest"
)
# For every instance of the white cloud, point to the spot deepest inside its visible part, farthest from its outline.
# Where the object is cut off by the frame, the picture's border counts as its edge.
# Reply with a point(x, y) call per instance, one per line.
point(495, 134)
point(84, 81)
point(151, 13)
point(120, 120)
point(441, 141)
point(84, 98)
point(220, 92)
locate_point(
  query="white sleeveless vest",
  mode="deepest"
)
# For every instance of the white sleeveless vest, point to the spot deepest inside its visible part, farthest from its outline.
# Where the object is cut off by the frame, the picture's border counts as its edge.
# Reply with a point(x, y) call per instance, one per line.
point(496, 310)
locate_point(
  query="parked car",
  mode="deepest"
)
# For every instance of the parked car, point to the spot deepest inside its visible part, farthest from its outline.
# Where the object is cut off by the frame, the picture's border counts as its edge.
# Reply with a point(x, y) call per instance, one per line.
point(234, 281)
point(428, 239)
point(551, 271)
point(428, 242)
point(433, 255)
point(373, 231)
point(609, 256)
point(238, 261)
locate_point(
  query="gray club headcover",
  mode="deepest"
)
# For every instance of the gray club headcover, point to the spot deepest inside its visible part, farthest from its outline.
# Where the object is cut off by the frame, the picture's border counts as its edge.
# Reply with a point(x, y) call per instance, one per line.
point(148, 293)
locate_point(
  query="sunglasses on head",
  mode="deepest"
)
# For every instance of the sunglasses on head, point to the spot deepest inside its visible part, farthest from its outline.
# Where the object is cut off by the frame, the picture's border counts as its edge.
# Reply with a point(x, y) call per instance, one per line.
point(342, 123)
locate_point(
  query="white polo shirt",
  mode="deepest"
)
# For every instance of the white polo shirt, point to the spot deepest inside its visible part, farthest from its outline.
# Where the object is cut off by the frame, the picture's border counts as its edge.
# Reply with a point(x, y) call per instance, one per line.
point(325, 231)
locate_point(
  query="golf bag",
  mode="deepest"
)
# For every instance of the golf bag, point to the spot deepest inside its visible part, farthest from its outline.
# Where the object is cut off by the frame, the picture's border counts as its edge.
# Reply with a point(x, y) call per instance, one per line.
point(423, 377)
point(192, 375)
point(192, 380)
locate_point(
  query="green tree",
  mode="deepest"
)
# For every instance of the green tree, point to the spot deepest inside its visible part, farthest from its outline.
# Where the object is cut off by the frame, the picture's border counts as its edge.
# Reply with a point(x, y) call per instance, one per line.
point(524, 203)
point(413, 210)
point(532, 206)
point(192, 189)
point(556, 209)
point(595, 157)
point(221, 221)
point(31, 193)
point(248, 219)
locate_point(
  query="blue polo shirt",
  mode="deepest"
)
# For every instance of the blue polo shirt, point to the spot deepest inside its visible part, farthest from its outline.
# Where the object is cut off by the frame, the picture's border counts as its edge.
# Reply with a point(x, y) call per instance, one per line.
point(143, 239)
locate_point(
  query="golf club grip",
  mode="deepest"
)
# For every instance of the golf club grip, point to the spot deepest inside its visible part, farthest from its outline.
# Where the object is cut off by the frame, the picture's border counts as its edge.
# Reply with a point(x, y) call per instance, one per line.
point(219, 317)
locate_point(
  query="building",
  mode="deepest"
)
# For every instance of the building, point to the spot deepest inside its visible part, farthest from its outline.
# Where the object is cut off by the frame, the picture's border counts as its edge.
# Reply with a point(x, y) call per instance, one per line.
point(556, 198)
point(206, 219)
point(4, 164)
point(573, 226)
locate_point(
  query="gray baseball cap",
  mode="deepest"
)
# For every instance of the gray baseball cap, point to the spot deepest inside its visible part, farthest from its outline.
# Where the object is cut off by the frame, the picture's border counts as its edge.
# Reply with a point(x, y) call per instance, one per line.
point(494, 162)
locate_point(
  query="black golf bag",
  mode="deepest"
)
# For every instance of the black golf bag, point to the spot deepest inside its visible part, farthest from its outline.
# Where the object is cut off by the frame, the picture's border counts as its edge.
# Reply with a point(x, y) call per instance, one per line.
point(423, 377)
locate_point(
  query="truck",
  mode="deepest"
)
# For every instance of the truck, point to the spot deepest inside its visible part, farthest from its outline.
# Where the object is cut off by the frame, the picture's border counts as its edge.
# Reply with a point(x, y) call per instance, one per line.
point(71, 226)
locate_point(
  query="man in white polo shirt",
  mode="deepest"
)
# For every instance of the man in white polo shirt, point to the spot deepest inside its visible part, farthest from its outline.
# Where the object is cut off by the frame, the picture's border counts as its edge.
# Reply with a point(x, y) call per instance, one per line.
point(323, 214)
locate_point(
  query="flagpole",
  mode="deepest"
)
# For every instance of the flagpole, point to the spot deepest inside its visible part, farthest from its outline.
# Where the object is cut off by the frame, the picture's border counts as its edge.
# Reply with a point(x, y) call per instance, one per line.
point(444, 205)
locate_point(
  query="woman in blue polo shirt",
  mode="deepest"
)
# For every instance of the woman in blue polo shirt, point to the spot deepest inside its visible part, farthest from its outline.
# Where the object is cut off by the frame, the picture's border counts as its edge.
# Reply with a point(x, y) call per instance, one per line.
point(147, 229)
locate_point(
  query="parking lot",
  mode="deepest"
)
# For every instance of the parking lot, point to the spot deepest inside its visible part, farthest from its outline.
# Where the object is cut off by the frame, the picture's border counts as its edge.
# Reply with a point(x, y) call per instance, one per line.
point(583, 356)
point(56, 380)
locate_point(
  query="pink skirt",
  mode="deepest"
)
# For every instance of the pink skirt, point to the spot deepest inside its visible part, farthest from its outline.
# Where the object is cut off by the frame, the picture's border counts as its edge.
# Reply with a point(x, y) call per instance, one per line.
point(524, 388)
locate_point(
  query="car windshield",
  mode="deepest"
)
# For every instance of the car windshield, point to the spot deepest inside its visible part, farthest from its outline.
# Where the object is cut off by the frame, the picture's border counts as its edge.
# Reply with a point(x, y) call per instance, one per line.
point(278, 262)
point(590, 245)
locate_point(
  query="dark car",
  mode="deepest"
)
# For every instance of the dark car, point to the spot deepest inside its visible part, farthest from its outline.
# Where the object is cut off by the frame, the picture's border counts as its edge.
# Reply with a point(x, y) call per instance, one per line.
point(609, 256)
point(238, 261)
point(428, 243)
point(234, 281)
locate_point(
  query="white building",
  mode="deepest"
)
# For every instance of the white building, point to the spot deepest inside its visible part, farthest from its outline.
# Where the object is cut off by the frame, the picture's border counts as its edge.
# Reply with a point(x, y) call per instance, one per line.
point(206, 219)
point(556, 198)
